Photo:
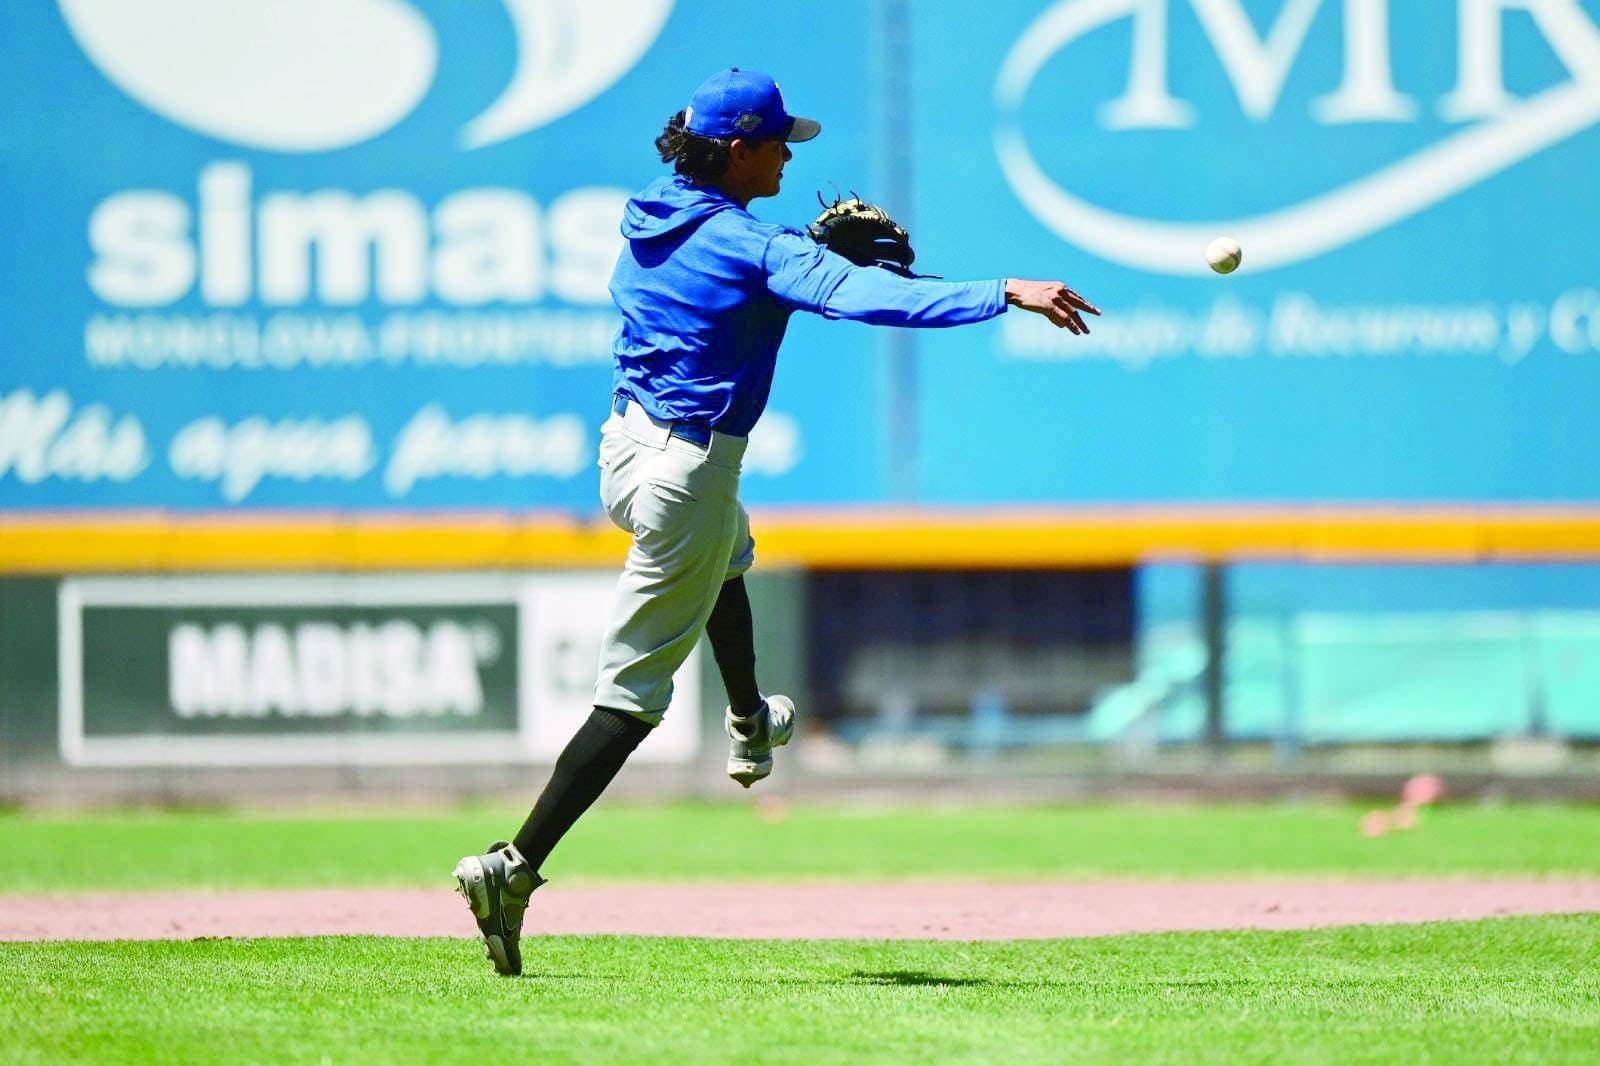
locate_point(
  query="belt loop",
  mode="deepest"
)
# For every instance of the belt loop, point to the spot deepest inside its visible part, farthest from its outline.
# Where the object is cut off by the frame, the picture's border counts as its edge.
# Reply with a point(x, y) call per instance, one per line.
point(726, 450)
point(638, 423)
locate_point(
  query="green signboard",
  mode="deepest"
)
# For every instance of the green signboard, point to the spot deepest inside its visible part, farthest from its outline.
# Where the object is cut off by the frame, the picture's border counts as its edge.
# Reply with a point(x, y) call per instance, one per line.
point(213, 671)
point(236, 671)
point(333, 669)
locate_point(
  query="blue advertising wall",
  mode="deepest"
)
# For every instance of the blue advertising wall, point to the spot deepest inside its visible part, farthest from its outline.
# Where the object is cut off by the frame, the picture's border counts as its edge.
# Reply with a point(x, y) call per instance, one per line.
point(1417, 317)
point(354, 254)
point(389, 294)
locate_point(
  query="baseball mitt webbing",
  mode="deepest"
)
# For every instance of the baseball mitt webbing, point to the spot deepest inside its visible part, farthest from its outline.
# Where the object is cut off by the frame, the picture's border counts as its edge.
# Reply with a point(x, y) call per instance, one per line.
point(864, 234)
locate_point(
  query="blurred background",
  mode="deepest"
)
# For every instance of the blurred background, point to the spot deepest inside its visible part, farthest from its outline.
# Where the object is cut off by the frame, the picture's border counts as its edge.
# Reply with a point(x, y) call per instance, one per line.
point(305, 346)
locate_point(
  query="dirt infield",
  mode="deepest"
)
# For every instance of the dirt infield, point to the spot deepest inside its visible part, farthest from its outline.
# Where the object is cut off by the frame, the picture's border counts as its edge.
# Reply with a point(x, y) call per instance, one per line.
point(932, 910)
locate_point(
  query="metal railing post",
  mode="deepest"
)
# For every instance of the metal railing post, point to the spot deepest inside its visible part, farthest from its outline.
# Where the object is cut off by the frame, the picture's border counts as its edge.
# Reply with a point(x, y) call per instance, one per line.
point(1214, 629)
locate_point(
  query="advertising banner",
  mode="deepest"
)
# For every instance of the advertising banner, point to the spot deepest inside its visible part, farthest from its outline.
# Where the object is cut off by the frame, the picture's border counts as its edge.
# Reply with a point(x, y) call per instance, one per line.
point(1417, 317)
point(339, 670)
point(351, 256)
point(354, 254)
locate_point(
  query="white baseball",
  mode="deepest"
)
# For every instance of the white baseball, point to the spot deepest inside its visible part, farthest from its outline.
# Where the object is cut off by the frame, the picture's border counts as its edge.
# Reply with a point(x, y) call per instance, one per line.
point(1224, 254)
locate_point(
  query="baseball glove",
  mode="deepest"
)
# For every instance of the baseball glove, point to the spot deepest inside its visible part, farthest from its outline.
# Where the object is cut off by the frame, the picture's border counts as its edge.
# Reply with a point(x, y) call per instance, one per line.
point(864, 234)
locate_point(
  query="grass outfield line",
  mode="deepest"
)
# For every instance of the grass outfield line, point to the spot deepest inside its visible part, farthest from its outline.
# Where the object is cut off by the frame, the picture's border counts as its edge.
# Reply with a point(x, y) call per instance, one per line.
point(1508, 990)
point(733, 841)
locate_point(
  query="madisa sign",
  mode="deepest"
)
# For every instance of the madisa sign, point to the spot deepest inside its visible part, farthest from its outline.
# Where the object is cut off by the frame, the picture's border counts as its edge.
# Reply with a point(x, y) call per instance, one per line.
point(318, 670)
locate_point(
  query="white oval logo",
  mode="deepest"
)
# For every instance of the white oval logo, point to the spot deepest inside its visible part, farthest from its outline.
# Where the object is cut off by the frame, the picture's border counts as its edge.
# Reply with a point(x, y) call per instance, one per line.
point(569, 52)
point(316, 75)
point(1507, 130)
point(291, 75)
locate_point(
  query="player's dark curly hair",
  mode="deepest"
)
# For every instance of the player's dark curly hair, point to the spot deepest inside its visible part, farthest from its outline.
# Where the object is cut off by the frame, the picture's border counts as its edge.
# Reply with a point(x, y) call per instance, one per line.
point(700, 159)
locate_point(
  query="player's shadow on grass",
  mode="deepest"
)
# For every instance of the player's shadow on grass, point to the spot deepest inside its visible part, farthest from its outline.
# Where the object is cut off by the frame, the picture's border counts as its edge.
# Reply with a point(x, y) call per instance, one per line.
point(902, 978)
point(911, 978)
point(899, 978)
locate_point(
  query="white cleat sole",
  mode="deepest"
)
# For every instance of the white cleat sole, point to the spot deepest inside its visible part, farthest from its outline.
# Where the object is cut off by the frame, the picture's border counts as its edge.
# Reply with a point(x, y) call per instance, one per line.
point(497, 954)
point(470, 884)
point(748, 771)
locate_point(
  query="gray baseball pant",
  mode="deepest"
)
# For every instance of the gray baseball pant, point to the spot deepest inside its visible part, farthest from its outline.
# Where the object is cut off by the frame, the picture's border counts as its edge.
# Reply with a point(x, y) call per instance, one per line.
point(680, 501)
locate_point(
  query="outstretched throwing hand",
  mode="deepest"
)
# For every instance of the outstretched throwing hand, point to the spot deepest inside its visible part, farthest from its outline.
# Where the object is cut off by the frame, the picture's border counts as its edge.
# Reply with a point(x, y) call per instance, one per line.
point(1051, 299)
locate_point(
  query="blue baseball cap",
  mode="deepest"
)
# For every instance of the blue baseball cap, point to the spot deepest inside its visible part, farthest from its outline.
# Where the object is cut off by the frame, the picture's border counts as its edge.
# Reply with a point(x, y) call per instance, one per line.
point(744, 103)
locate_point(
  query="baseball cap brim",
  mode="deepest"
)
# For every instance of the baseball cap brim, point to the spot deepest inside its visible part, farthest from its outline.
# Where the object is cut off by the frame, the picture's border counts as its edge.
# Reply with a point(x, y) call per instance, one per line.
point(803, 129)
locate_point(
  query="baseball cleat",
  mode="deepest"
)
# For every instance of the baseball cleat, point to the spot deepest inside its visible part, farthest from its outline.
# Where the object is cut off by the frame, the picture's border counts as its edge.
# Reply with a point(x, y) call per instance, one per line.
point(496, 885)
point(751, 740)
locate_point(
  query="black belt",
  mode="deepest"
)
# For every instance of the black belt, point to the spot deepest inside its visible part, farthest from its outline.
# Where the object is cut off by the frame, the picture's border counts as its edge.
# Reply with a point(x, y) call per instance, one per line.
point(683, 430)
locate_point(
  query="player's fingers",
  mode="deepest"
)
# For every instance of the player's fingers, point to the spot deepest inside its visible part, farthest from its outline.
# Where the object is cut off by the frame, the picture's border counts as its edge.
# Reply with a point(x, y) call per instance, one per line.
point(1072, 299)
point(1074, 320)
point(1063, 315)
point(1079, 302)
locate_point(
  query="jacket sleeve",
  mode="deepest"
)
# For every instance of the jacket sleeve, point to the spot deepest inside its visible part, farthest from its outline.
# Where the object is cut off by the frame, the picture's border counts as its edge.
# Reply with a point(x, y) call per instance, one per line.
point(808, 277)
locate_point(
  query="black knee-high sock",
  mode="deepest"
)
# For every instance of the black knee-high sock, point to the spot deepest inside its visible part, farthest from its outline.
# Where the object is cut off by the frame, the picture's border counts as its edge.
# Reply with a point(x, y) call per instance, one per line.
point(586, 766)
point(731, 630)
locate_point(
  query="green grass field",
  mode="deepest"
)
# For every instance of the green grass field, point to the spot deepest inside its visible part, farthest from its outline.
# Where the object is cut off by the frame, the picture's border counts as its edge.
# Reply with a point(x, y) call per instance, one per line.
point(722, 842)
point(1507, 990)
point(1520, 990)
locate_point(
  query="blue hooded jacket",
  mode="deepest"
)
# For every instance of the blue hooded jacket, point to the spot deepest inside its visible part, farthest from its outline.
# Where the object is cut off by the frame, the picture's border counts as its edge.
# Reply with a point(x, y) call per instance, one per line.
point(706, 290)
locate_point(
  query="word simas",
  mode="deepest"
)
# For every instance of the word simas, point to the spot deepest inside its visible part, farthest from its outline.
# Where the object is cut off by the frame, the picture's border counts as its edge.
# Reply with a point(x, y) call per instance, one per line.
point(477, 245)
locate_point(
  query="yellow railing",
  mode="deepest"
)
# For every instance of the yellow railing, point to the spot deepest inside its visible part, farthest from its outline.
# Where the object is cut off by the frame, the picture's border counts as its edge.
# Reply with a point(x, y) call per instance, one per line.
point(847, 538)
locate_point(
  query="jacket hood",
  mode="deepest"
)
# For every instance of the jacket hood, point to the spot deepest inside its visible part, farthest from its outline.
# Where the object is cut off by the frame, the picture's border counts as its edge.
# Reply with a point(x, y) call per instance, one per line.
point(669, 205)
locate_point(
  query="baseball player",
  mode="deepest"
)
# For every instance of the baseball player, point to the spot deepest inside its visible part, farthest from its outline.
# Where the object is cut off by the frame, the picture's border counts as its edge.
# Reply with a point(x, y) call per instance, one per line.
point(706, 290)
